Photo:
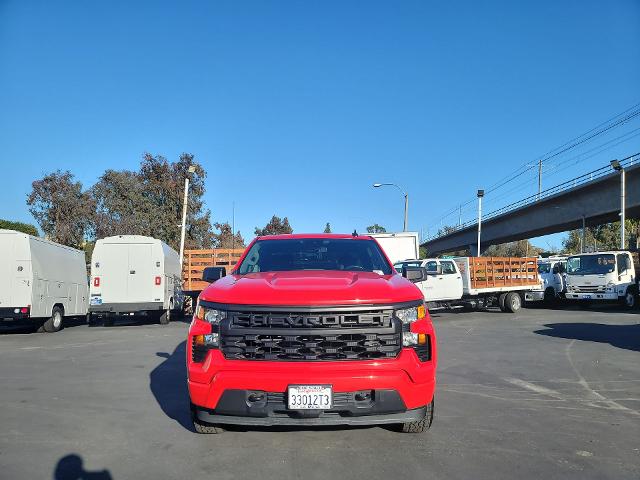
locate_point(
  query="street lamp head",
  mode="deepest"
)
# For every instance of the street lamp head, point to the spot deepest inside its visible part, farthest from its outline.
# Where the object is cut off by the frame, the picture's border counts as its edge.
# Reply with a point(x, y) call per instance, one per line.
point(615, 164)
point(480, 193)
point(376, 185)
point(192, 169)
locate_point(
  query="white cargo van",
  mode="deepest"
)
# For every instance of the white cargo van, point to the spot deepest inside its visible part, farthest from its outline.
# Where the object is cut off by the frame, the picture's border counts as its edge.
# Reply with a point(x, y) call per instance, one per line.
point(399, 246)
point(132, 274)
point(41, 281)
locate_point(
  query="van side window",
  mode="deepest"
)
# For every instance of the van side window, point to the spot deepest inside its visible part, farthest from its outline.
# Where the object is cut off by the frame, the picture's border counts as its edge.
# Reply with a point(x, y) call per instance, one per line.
point(447, 267)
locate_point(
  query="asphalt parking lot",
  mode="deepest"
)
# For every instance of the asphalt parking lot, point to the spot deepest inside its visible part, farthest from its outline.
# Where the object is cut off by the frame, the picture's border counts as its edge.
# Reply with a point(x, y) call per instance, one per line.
point(539, 394)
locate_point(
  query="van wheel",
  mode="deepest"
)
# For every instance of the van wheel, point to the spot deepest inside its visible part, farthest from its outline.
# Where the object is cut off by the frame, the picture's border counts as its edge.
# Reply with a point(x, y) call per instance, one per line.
point(54, 322)
point(512, 302)
point(203, 427)
point(419, 426)
point(501, 302)
point(165, 317)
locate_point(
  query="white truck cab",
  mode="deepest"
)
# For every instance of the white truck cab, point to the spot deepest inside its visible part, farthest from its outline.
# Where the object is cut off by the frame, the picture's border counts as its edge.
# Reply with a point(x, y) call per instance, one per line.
point(553, 283)
point(603, 276)
point(444, 281)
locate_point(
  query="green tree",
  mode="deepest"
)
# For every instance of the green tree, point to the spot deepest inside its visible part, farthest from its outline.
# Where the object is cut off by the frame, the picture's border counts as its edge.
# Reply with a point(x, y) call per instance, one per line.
point(327, 228)
point(603, 237)
point(19, 227)
point(226, 238)
point(520, 248)
point(64, 212)
point(276, 226)
point(149, 202)
point(375, 228)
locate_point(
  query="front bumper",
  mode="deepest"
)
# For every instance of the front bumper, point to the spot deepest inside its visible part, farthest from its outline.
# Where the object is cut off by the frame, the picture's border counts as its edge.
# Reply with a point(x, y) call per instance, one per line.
point(591, 296)
point(235, 408)
point(534, 296)
point(412, 381)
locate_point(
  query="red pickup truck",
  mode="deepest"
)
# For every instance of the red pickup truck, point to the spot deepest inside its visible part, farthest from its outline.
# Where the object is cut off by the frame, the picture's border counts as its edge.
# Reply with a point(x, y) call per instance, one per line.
point(311, 330)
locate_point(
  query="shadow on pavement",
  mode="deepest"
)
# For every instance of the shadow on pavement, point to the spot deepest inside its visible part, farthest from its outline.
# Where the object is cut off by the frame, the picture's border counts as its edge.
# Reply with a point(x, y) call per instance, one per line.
point(168, 383)
point(621, 336)
point(70, 467)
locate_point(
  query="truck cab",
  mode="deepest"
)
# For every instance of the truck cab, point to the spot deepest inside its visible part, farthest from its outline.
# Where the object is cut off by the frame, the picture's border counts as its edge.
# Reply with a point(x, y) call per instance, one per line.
point(443, 281)
point(603, 276)
point(553, 284)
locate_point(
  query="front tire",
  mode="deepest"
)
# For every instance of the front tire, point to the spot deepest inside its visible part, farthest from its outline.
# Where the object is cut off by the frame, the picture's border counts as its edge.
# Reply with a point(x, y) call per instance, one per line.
point(55, 321)
point(420, 426)
point(204, 428)
point(630, 300)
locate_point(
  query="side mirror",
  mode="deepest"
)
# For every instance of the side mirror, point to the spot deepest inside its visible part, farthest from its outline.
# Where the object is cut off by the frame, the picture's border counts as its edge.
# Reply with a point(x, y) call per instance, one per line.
point(414, 274)
point(211, 274)
point(434, 271)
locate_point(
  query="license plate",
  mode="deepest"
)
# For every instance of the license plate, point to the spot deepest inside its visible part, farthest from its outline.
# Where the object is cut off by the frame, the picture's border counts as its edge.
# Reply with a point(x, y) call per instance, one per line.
point(309, 397)
point(96, 301)
point(587, 297)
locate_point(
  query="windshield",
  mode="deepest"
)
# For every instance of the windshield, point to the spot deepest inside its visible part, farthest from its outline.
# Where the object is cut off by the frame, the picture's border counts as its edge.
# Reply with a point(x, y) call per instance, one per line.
point(400, 265)
point(315, 254)
point(544, 267)
point(591, 264)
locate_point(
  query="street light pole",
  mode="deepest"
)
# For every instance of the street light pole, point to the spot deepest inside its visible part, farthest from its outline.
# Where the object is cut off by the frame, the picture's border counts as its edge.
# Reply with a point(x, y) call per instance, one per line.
point(184, 212)
point(480, 195)
point(615, 164)
point(406, 202)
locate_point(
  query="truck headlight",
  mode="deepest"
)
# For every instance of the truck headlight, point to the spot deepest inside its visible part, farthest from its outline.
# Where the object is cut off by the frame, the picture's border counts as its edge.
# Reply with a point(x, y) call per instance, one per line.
point(407, 316)
point(210, 315)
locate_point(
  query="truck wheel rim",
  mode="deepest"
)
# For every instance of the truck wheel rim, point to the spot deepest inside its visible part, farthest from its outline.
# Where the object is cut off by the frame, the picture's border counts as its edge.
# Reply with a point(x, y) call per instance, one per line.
point(57, 319)
point(630, 299)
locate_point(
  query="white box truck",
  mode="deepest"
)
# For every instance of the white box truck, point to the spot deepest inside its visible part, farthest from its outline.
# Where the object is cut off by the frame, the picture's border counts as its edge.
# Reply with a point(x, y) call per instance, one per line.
point(604, 276)
point(41, 281)
point(133, 274)
point(399, 246)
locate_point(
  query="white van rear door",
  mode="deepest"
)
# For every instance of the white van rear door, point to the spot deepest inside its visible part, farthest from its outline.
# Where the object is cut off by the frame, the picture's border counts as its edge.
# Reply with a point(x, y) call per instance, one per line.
point(140, 273)
point(7, 266)
point(113, 273)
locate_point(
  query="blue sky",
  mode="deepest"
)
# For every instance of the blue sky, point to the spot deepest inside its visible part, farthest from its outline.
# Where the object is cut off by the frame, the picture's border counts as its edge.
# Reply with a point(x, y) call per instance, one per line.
point(296, 108)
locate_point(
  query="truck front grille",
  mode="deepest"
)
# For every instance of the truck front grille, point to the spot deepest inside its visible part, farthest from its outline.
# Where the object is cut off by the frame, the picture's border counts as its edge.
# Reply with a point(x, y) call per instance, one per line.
point(305, 320)
point(330, 346)
point(589, 288)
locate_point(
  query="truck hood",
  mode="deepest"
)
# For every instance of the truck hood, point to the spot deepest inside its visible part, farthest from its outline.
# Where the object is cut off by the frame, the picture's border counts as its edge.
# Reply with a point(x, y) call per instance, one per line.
point(312, 288)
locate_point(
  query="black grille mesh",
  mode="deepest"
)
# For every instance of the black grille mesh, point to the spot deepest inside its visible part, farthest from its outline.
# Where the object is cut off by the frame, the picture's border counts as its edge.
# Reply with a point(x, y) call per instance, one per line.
point(330, 346)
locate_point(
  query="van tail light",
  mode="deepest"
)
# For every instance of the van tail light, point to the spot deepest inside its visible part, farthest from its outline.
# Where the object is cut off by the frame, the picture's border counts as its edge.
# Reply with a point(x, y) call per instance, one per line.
point(158, 280)
point(24, 310)
point(96, 282)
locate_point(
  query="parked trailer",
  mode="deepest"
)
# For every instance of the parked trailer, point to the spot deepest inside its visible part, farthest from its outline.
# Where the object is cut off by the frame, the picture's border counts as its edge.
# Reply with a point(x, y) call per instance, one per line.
point(41, 281)
point(133, 274)
point(477, 282)
point(399, 246)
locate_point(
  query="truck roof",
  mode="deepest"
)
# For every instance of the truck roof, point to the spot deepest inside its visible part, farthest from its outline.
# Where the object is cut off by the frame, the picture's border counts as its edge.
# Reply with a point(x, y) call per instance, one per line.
point(312, 235)
point(613, 252)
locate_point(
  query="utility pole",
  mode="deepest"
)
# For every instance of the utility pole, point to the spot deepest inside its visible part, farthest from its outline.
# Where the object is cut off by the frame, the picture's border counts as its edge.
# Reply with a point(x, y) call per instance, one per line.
point(184, 213)
point(615, 164)
point(480, 195)
point(539, 178)
point(233, 225)
point(584, 233)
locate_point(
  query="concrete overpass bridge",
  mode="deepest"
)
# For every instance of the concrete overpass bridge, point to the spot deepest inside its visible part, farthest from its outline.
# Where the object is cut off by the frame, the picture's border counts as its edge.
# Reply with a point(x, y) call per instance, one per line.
point(593, 198)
